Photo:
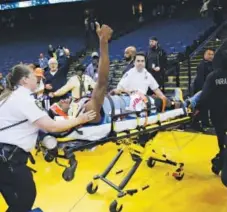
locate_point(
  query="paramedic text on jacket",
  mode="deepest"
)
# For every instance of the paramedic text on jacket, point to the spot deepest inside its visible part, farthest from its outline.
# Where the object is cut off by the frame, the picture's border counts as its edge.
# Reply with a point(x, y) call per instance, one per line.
point(20, 119)
point(214, 97)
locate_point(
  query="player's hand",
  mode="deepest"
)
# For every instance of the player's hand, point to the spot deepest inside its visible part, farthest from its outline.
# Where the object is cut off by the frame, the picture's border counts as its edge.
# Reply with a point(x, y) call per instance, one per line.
point(86, 117)
point(104, 33)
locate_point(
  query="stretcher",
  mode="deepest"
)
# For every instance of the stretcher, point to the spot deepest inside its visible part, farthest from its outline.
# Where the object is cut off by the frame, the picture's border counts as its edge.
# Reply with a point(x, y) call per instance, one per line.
point(134, 134)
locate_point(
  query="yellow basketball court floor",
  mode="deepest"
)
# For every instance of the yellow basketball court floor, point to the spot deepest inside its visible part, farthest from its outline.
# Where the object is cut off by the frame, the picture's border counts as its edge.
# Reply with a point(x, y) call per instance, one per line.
point(199, 191)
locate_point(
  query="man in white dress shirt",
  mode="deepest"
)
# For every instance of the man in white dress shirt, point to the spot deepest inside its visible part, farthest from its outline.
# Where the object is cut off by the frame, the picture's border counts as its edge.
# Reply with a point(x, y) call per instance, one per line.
point(138, 79)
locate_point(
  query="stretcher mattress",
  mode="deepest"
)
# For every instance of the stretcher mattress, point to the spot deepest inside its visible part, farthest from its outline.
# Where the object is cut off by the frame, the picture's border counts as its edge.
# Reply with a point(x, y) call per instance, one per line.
point(96, 132)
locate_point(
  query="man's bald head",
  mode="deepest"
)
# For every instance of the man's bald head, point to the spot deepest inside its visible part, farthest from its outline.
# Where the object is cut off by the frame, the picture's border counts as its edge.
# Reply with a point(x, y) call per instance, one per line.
point(130, 53)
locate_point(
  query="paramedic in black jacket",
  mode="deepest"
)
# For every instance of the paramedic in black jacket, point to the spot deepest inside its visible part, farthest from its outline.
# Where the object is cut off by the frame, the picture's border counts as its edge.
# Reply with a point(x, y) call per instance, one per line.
point(156, 61)
point(214, 97)
point(56, 76)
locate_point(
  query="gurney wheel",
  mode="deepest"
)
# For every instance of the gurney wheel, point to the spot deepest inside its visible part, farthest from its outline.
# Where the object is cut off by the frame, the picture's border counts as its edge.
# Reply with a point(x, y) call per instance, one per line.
point(90, 188)
point(135, 157)
point(178, 176)
point(48, 157)
point(68, 174)
point(114, 207)
point(179, 173)
point(150, 163)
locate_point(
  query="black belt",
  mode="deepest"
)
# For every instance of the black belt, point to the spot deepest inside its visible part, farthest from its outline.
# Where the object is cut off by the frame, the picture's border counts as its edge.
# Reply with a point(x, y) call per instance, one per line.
point(13, 154)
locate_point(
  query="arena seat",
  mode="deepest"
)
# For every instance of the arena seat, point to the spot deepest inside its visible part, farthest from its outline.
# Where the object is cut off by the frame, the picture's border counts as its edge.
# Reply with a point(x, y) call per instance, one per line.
point(171, 34)
point(174, 36)
point(27, 49)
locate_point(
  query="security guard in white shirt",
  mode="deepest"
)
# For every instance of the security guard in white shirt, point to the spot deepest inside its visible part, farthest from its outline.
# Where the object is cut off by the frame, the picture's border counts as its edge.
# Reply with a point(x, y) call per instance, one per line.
point(20, 120)
point(138, 79)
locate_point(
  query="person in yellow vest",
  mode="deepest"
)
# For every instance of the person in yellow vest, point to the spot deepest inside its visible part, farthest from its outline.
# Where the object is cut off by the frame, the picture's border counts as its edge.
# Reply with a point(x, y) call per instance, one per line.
point(79, 85)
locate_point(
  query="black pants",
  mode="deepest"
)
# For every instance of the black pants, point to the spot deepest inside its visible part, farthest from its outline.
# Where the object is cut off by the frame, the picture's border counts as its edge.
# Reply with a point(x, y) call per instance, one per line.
point(224, 168)
point(222, 143)
point(204, 117)
point(16, 183)
point(221, 136)
point(159, 77)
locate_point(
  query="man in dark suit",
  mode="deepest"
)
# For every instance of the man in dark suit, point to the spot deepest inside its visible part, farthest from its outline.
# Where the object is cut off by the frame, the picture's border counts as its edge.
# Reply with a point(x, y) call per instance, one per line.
point(203, 70)
point(56, 76)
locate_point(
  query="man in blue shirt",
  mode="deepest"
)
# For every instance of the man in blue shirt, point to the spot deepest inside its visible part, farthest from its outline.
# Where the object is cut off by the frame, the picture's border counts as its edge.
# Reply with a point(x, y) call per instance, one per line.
point(43, 62)
point(2, 83)
point(92, 68)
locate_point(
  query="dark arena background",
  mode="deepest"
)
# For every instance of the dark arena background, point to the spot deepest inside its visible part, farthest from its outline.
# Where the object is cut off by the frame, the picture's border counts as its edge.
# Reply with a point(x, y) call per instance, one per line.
point(34, 31)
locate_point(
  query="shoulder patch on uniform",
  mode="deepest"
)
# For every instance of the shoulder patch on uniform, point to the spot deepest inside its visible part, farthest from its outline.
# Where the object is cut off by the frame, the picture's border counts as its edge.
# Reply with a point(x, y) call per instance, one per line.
point(39, 104)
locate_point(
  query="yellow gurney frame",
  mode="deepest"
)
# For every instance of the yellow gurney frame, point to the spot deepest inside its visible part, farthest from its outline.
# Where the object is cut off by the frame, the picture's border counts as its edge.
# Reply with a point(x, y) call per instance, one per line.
point(139, 143)
point(140, 151)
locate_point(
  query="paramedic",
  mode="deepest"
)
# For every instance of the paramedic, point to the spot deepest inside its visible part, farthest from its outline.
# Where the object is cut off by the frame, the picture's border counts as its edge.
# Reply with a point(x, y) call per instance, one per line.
point(138, 79)
point(215, 88)
point(20, 119)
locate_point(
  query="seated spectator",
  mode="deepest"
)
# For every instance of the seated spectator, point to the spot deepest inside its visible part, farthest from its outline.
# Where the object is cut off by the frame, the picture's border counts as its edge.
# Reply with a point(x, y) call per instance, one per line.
point(2, 83)
point(59, 51)
point(92, 69)
point(51, 51)
point(130, 53)
point(63, 57)
point(43, 62)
